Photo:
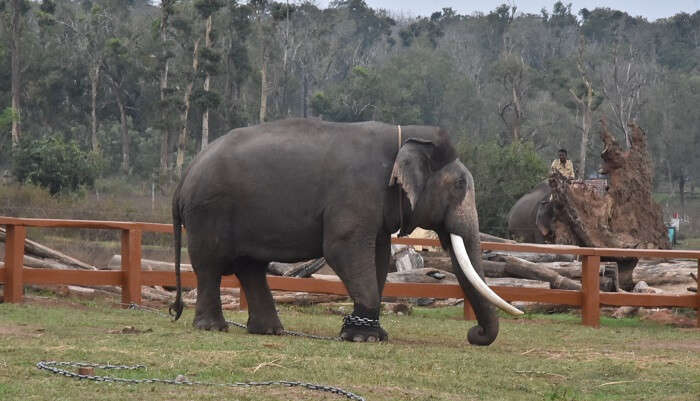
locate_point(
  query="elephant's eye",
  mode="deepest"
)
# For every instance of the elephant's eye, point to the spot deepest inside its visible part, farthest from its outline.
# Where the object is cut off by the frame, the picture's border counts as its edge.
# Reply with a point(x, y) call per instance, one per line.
point(461, 184)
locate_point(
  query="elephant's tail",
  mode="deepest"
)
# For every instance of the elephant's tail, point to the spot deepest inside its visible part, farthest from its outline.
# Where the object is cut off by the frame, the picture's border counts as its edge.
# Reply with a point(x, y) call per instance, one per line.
point(177, 306)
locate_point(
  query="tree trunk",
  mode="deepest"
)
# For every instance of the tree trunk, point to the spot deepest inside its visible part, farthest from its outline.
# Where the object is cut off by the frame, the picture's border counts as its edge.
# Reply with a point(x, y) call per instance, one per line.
point(165, 127)
point(263, 89)
point(205, 116)
point(94, 83)
point(16, 73)
point(182, 140)
point(518, 115)
point(305, 96)
point(585, 132)
point(124, 127)
point(681, 190)
point(585, 106)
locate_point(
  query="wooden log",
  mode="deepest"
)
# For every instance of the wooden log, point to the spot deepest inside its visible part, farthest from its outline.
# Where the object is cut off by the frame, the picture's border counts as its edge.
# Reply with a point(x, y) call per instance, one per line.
point(304, 298)
point(531, 257)
point(38, 250)
point(516, 267)
point(423, 275)
point(115, 263)
point(301, 269)
point(30, 261)
point(666, 273)
point(492, 238)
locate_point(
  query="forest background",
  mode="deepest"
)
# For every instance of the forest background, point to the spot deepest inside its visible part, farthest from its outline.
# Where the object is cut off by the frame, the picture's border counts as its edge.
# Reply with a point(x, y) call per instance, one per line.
point(102, 97)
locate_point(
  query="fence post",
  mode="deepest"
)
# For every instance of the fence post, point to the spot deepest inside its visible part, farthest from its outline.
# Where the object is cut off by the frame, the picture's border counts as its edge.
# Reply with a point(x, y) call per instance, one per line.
point(590, 281)
point(697, 295)
point(14, 263)
point(468, 310)
point(131, 267)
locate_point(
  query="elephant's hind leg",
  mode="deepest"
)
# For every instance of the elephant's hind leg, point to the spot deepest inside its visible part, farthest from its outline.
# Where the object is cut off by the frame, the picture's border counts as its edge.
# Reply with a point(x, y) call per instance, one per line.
point(262, 315)
point(208, 314)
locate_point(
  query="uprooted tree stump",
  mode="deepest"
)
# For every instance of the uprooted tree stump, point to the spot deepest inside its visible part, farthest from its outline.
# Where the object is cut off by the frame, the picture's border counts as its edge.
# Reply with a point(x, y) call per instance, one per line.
point(623, 216)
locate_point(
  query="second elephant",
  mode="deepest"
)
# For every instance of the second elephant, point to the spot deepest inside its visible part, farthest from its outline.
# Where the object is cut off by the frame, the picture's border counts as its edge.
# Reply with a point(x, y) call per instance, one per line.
point(530, 219)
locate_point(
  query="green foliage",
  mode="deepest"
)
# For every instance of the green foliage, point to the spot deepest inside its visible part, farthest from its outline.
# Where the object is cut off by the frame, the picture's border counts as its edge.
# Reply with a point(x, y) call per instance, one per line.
point(210, 60)
point(208, 7)
point(6, 118)
point(502, 174)
point(206, 99)
point(418, 87)
point(354, 100)
point(54, 163)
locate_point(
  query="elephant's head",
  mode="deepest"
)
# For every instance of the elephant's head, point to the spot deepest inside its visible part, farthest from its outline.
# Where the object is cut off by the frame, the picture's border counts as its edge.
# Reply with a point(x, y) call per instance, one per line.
point(440, 191)
point(544, 218)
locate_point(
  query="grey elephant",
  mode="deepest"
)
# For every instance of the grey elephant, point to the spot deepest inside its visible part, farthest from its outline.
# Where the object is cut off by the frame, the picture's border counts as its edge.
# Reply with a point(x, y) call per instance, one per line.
point(530, 218)
point(302, 188)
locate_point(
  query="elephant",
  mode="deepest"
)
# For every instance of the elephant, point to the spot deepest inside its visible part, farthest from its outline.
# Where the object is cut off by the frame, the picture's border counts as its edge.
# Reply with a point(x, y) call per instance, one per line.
point(299, 189)
point(530, 219)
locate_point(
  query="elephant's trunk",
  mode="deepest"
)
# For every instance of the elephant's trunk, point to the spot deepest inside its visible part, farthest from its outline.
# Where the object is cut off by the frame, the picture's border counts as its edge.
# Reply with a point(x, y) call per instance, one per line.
point(463, 244)
point(486, 314)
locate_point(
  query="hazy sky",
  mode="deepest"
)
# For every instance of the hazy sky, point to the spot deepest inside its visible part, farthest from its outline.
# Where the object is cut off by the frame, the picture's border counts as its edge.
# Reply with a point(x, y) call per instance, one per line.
point(651, 9)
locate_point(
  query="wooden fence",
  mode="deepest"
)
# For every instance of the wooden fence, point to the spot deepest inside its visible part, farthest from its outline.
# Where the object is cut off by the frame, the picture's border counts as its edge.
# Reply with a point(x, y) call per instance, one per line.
point(14, 275)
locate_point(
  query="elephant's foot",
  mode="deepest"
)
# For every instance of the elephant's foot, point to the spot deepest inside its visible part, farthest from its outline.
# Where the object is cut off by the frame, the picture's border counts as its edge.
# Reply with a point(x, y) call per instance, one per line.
point(209, 323)
point(360, 329)
point(265, 326)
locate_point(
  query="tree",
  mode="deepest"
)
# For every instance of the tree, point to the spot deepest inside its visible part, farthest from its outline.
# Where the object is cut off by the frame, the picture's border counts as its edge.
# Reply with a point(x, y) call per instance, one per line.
point(120, 69)
point(55, 164)
point(237, 63)
point(167, 10)
point(622, 85)
point(587, 101)
point(513, 74)
point(185, 31)
point(502, 174)
point(14, 17)
point(210, 60)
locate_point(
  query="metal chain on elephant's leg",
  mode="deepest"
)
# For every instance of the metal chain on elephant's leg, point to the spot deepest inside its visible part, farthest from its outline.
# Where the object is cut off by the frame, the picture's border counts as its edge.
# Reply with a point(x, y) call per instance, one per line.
point(291, 333)
point(59, 369)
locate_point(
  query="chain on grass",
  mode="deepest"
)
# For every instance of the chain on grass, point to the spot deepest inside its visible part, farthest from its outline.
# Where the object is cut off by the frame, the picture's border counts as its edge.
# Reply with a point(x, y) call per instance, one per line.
point(59, 369)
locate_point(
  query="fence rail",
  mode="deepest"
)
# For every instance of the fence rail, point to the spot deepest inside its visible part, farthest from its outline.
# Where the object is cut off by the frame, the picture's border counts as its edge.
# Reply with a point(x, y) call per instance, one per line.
point(14, 275)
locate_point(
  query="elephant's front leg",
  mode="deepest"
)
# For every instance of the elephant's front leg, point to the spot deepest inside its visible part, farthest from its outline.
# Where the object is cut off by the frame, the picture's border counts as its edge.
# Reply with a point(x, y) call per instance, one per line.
point(353, 259)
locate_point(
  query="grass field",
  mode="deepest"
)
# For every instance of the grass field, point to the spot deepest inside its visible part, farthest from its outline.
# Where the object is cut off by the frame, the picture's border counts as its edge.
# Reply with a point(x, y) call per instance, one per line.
point(539, 357)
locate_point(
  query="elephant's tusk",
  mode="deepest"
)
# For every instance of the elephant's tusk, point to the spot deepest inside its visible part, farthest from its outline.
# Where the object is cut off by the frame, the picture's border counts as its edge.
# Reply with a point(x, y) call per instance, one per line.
point(483, 289)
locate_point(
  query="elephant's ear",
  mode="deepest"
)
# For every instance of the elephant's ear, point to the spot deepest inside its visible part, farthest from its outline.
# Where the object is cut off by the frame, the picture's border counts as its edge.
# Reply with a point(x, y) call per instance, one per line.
point(412, 168)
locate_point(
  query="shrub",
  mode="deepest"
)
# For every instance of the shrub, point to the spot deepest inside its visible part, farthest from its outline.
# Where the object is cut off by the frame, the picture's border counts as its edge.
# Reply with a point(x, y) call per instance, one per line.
point(55, 164)
point(502, 174)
